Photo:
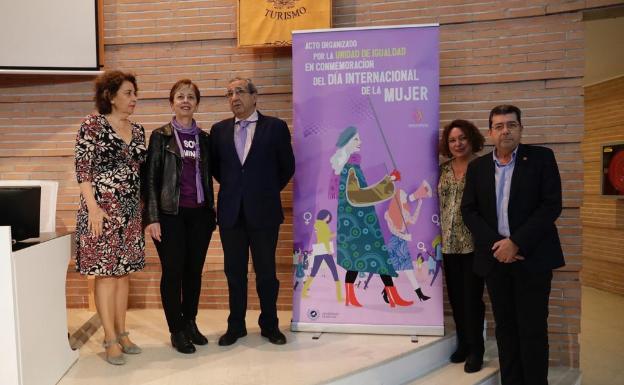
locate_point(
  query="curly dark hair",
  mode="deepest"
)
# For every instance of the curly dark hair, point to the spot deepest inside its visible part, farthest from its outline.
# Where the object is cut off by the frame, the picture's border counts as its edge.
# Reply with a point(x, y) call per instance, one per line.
point(184, 83)
point(106, 87)
point(471, 131)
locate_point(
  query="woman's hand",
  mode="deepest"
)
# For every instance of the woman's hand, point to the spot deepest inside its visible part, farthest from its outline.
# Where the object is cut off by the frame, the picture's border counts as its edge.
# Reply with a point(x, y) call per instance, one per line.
point(153, 230)
point(96, 220)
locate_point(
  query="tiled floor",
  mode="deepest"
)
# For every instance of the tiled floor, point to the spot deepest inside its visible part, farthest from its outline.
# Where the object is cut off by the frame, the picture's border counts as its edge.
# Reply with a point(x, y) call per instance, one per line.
point(303, 361)
point(602, 351)
point(602, 338)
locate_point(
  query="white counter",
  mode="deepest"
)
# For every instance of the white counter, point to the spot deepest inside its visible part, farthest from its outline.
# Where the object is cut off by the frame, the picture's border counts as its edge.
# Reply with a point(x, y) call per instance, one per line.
point(33, 316)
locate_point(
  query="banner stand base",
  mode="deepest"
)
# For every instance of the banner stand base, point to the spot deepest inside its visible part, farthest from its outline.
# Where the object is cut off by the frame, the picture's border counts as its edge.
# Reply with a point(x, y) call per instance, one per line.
point(406, 330)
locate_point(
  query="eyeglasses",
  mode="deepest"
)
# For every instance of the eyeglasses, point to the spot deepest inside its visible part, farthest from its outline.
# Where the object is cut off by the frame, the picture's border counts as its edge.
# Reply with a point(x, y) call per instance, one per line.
point(238, 91)
point(511, 126)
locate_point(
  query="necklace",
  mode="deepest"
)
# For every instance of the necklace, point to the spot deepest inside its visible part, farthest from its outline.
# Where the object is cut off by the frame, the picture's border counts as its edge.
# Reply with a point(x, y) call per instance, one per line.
point(458, 172)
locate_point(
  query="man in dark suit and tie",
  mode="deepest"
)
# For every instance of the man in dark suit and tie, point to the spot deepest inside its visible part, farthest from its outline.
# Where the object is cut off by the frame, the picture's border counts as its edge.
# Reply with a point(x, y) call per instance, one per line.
point(253, 162)
point(511, 200)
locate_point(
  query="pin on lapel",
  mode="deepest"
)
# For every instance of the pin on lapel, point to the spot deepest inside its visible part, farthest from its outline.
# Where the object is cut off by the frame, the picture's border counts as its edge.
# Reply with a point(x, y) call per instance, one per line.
point(524, 158)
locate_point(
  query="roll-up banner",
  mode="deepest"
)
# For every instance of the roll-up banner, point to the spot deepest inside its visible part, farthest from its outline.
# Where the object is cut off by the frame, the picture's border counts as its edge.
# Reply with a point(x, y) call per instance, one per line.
point(366, 245)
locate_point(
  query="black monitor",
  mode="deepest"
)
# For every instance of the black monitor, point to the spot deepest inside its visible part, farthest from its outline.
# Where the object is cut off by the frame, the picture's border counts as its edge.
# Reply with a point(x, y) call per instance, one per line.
point(19, 208)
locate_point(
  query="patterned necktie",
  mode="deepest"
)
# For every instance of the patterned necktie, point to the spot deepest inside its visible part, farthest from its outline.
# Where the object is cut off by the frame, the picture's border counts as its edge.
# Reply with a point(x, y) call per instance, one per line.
point(240, 138)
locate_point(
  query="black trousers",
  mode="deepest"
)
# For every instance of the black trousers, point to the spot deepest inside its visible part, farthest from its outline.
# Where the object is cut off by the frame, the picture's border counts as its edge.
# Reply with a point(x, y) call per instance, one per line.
point(520, 305)
point(465, 293)
point(182, 252)
point(237, 242)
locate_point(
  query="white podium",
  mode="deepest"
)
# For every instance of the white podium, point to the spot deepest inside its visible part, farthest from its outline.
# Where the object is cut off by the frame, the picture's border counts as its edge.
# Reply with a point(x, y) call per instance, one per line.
point(33, 315)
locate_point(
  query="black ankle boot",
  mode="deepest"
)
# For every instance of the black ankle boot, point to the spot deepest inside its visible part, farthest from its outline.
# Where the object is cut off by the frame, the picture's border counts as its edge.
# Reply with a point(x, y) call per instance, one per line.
point(474, 363)
point(420, 295)
point(459, 355)
point(181, 342)
point(194, 334)
point(384, 295)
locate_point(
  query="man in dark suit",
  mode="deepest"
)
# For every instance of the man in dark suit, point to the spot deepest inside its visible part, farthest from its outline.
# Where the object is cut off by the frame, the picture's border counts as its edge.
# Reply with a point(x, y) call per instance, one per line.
point(511, 200)
point(253, 162)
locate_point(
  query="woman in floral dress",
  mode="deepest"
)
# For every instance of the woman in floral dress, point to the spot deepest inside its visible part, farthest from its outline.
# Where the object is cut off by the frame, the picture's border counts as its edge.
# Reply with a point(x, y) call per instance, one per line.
point(109, 236)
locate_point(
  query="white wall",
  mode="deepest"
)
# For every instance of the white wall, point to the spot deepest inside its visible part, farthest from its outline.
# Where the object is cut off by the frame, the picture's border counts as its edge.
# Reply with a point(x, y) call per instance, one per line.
point(54, 34)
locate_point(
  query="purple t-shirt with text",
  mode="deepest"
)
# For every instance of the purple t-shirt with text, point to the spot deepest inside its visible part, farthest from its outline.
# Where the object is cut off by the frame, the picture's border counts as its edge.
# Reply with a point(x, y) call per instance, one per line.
point(188, 185)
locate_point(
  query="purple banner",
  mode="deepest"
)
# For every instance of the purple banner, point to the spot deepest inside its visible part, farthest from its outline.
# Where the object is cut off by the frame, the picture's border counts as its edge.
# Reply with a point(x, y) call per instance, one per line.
point(366, 246)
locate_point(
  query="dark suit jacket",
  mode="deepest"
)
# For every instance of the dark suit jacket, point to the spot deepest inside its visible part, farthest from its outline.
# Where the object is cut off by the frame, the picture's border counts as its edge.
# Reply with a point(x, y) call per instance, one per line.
point(534, 205)
point(257, 183)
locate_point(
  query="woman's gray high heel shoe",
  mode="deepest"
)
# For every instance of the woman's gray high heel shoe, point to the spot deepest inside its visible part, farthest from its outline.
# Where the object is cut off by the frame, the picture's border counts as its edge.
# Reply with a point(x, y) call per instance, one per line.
point(128, 349)
point(113, 360)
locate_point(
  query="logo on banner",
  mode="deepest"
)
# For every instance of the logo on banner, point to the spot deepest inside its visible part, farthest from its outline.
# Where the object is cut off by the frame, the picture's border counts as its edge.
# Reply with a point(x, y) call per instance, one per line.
point(418, 116)
point(286, 5)
point(417, 120)
point(313, 314)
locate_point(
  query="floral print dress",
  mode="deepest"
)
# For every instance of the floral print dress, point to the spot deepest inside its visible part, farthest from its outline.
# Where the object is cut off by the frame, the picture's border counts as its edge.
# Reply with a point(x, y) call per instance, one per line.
point(456, 238)
point(113, 168)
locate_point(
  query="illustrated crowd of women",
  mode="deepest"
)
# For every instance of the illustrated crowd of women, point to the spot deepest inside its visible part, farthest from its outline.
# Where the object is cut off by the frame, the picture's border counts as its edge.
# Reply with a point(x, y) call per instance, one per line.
point(164, 188)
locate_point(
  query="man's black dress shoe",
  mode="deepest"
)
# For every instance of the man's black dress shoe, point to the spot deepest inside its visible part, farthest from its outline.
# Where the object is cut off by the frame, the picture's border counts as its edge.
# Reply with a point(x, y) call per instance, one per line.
point(230, 337)
point(181, 342)
point(275, 336)
point(459, 355)
point(194, 334)
point(473, 363)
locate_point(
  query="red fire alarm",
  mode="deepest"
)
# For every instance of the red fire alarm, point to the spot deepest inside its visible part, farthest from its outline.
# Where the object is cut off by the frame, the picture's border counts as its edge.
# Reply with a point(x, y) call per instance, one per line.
point(613, 169)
